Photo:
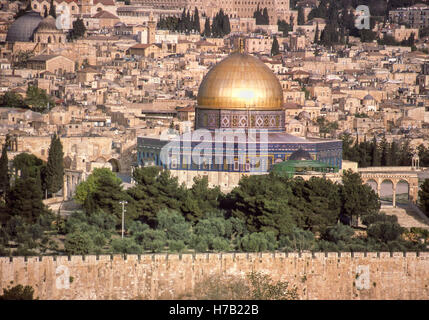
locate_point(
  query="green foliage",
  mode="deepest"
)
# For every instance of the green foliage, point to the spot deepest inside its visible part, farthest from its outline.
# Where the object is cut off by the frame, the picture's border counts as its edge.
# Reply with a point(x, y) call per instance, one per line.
point(176, 245)
point(54, 173)
point(284, 27)
point(298, 240)
point(326, 127)
point(174, 225)
point(301, 18)
point(11, 99)
point(78, 243)
point(52, 9)
point(18, 292)
point(262, 287)
point(25, 199)
point(385, 231)
point(155, 190)
point(424, 197)
point(357, 199)
point(38, 99)
point(261, 16)
point(263, 203)
point(85, 188)
point(153, 240)
point(126, 245)
point(4, 172)
point(275, 49)
point(338, 233)
point(259, 241)
point(78, 30)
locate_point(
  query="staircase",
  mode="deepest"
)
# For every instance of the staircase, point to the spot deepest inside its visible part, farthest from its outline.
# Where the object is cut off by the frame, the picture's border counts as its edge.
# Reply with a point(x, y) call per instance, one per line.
point(408, 216)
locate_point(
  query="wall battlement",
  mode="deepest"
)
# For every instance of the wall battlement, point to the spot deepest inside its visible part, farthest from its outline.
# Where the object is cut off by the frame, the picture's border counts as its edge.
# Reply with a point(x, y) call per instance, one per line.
point(345, 275)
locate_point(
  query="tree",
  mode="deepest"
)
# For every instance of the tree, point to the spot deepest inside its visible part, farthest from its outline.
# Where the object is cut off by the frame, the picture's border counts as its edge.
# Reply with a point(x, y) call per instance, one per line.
point(301, 18)
point(52, 9)
point(275, 50)
point(12, 99)
point(54, 173)
point(78, 243)
point(25, 200)
point(375, 154)
point(196, 22)
point(78, 30)
point(424, 197)
point(85, 188)
point(316, 34)
point(207, 29)
point(38, 99)
point(4, 171)
point(357, 199)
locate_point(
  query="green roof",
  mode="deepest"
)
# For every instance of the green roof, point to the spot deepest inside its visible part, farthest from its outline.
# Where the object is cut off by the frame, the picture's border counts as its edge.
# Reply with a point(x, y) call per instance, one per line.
point(291, 166)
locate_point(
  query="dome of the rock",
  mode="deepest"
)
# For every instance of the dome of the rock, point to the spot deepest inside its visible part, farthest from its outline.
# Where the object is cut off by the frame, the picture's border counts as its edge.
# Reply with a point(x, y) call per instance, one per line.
point(240, 82)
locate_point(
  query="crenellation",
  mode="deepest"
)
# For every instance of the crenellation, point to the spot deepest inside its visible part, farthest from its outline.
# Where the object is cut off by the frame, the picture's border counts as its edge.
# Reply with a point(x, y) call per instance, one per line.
point(372, 254)
point(384, 255)
point(410, 254)
point(77, 259)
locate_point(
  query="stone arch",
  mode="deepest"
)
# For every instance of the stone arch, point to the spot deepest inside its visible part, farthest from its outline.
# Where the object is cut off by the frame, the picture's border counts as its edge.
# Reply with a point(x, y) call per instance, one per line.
point(100, 159)
point(402, 190)
point(387, 187)
point(67, 162)
point(115, 165)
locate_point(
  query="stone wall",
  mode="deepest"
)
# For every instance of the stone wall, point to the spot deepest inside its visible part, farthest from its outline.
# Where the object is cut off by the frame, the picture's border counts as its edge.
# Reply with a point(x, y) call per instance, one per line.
point(317, 276)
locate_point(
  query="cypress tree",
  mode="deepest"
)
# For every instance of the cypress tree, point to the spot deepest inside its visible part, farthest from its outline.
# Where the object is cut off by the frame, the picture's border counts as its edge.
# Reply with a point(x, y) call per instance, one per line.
point(275, 49)
point(375, 154)
point(266, 18)
point(25, 199)
point(424, 197)
point(207, 29)
point(393, 154)
point(197, 27)
point(4, 171)
point(226, 27)
point(52, 11)
point(55, 167)
point(385, 161)
point(301, 18)
point(316, 34)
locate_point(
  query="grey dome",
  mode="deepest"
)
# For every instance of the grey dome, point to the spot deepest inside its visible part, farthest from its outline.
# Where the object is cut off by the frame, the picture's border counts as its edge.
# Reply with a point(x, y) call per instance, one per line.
point(49, 23)
point(22, 29)
point(300, 155)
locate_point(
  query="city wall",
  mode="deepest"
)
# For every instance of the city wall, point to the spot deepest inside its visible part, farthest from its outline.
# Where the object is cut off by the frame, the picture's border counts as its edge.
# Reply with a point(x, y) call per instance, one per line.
point(160, 276)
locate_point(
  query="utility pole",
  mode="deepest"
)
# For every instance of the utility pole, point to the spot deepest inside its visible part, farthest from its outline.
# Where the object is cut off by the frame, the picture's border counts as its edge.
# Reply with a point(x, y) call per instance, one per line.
point(123, 211)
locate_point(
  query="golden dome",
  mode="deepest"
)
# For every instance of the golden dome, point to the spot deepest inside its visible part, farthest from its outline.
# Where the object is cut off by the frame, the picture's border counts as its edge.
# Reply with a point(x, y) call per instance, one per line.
point(240, 82)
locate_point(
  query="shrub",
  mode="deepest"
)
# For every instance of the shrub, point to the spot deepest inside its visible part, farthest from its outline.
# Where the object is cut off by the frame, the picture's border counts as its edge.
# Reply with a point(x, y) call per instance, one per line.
point(258, 241)
point(339, 232)
point(176, 245)
point(126, 245)
point(78, 243)
point(385, 231)
point(18, 292)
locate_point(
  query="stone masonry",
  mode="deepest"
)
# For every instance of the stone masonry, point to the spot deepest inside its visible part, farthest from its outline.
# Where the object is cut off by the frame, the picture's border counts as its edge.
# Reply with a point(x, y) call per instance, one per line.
point(357, 276)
